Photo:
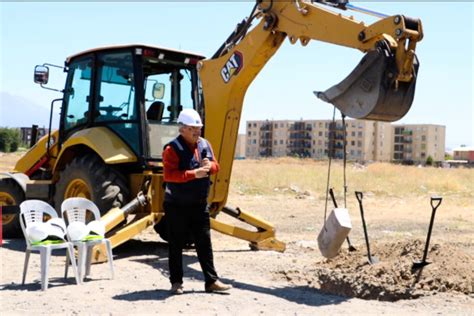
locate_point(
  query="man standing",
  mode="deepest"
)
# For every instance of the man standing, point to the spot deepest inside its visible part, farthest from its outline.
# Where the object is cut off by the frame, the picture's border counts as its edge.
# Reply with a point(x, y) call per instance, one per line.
point(188, 161)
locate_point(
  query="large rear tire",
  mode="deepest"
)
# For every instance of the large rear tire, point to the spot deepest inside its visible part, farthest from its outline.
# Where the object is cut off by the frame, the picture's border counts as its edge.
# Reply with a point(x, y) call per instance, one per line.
point(11, 194)
point(89, 177)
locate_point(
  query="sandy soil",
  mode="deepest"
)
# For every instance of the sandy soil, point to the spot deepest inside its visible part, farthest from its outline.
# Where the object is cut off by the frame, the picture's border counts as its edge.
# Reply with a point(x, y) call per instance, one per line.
point(296, 282)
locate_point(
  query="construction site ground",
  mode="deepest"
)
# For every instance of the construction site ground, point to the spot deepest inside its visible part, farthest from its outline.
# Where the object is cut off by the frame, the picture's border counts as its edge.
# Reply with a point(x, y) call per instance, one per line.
point(298, 281)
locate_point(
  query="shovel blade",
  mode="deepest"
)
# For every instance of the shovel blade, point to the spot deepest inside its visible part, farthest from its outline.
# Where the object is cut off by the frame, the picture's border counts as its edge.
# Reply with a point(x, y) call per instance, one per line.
point(419, 264)
point(373, 260)
point(371, 91)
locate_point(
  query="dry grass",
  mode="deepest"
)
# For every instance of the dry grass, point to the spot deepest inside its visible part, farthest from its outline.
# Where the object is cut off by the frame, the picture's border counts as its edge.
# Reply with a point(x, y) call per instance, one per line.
point(8, 161)
point(270, 176)
point(281, 175)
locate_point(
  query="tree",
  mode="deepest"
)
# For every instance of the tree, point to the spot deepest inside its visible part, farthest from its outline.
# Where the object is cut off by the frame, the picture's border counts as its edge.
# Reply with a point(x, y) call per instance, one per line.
point(429, 161)
point(10, 139)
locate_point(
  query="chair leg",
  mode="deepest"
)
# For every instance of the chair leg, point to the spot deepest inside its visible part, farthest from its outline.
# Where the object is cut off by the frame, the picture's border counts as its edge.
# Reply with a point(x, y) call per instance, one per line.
point(25, 266)
point(45, 258)
point(88, 260)
point(70, 249)
point(110, 257)
point(67, 264)
point(81, 260)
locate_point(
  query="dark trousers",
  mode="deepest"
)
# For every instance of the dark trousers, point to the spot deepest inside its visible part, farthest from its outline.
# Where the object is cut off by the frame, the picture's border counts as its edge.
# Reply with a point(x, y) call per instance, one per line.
point(182, 219)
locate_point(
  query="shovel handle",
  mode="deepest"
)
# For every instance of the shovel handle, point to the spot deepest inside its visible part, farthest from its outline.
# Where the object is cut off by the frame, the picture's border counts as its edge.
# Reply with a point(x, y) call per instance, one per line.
point(331, 193)
point(438, 200)
point(359, 196)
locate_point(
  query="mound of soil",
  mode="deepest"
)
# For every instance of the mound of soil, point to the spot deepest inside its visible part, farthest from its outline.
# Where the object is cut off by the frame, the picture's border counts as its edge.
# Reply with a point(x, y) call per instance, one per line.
point(350, 274)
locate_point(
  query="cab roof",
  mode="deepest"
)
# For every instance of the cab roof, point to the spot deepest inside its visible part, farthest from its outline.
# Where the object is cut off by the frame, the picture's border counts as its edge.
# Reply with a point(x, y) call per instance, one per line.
point(144, 46)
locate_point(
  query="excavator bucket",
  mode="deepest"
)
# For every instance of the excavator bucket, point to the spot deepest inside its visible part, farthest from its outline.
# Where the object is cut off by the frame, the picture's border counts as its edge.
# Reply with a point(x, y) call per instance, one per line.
point(371, 92)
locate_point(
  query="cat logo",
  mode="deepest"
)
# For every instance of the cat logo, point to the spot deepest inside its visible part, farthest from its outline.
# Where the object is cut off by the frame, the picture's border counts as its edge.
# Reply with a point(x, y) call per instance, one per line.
point(232, 66)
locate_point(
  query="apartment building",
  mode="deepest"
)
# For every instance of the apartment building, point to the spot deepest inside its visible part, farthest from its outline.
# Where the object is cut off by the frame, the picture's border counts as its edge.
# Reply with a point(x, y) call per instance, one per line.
point(416, 142)
point(365, 140)
point(240, 147)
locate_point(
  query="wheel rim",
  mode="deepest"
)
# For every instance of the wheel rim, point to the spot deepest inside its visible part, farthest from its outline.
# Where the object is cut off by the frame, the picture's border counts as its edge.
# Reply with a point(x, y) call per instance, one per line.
point(78, 188)
point(7, 199)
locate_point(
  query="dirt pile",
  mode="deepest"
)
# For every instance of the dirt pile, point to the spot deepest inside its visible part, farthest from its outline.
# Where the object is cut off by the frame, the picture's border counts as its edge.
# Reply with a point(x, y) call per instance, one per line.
point(349, 274)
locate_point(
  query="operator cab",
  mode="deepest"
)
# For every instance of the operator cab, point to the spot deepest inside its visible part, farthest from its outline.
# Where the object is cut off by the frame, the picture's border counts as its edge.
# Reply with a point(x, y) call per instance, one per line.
point(135, 91)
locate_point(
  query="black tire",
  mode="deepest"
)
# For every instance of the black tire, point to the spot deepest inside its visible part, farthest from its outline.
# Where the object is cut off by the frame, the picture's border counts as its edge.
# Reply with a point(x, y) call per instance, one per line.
point(11, 194)
point(108, 187)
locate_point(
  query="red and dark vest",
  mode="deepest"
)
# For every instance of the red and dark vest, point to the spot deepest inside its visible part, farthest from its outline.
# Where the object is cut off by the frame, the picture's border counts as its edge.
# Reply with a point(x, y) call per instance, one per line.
point(196, 190)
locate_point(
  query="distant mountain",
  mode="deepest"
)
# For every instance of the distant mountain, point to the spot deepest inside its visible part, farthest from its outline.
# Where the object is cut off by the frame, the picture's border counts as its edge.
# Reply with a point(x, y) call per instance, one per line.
point(17, 111)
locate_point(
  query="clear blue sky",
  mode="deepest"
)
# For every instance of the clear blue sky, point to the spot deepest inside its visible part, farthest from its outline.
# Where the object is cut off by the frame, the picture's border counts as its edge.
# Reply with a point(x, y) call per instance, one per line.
point(35, 33)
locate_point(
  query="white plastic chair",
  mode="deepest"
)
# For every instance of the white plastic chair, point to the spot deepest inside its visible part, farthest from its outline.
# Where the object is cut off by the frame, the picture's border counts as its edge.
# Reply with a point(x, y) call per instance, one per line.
point(31, 212)
point(75, 209)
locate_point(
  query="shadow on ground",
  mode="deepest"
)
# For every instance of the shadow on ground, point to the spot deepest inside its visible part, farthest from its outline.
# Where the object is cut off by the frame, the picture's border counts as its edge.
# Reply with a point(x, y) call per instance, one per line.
point(298, 294)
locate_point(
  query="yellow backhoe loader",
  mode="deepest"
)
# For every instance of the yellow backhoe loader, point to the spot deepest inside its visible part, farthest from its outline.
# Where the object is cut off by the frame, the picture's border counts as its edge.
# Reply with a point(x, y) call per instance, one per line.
point(120, 104)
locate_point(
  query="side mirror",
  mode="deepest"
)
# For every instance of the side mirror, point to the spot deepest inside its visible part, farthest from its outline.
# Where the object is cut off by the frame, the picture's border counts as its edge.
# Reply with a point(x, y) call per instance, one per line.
point(158, 90)
point(41, 74)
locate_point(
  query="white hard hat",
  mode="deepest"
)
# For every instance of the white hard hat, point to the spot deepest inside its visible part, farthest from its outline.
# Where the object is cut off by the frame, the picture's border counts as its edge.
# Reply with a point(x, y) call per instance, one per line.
point(189, 117)
point(77, 231)
point(57, 227)
point(97, 228)
point(37, 232)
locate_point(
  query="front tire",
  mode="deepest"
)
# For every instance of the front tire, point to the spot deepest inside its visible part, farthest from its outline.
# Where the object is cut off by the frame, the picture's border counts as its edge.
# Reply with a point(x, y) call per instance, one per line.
point(11, 194)
point(89, 177)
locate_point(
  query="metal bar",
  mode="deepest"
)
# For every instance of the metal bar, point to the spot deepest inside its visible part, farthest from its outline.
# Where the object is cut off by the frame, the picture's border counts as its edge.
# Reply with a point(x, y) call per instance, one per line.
point(366, 11)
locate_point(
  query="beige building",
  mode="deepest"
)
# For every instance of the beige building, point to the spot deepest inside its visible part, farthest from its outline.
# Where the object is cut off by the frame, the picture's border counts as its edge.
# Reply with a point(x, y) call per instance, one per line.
point(366, 140)
point(417, 142)
point(240, 146)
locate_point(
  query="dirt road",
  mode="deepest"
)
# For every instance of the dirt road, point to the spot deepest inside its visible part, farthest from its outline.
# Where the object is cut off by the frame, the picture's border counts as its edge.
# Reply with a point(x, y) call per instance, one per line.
point(265, 282)
point(296, 282)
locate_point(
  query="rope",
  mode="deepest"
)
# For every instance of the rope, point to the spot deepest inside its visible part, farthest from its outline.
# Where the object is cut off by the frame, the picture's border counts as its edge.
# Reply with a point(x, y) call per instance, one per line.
point(344, 157)
point(329, 167)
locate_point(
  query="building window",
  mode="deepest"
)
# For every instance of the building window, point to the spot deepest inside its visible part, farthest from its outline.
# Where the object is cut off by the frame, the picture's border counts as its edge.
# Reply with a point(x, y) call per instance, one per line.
point(281, 141)
point(254, 124)
point(423, 138)
point(353, 134)
point(249, 133)
point(359, 143)
point(254, 141)
point(320, 134)
point(359, 134)
point(353, 142)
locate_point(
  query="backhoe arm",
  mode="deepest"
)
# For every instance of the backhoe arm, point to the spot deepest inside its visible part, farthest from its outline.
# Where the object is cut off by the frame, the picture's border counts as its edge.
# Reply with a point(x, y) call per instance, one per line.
point(381, 87)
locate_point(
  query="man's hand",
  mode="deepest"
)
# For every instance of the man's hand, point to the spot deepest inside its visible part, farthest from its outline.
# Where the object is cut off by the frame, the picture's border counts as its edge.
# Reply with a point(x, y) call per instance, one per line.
point(206, 163)
point(202, 172)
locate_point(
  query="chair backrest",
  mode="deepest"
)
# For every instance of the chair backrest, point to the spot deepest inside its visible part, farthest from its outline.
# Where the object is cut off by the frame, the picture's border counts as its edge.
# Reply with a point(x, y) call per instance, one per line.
point(155, 111)
point(76, 208)
point(32, 211)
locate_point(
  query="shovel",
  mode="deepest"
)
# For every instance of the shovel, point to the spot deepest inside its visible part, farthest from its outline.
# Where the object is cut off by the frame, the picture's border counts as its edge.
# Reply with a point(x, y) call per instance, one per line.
point(351, 248)
point(423, 262)
point(372, 260)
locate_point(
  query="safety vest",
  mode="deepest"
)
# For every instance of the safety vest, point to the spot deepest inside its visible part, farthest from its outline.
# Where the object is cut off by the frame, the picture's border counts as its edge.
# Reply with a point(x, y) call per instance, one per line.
point(196, 190)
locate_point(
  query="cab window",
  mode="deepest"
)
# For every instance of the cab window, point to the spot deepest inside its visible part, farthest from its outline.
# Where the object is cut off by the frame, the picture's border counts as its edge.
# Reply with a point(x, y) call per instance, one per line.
point(77, 93)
